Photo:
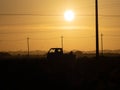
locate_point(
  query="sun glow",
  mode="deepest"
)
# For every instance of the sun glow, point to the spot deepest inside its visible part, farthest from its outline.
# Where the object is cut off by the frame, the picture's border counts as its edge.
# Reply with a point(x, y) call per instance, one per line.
point(69, 15)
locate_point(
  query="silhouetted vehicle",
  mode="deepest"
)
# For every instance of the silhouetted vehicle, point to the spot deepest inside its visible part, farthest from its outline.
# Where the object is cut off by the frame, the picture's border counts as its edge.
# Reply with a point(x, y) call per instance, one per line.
point(57, 53)
point(4, 54)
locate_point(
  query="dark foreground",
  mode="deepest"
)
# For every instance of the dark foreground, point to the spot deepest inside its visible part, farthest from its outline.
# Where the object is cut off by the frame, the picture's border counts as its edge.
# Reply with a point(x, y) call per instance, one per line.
point(23, 73)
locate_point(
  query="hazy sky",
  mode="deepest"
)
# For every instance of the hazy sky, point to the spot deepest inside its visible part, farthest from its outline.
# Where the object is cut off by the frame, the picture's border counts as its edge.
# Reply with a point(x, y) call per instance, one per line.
point(43, 22)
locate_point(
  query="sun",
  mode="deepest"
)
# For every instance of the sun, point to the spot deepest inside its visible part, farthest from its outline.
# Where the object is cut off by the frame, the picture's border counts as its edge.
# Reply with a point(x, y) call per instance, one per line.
point(69, 15)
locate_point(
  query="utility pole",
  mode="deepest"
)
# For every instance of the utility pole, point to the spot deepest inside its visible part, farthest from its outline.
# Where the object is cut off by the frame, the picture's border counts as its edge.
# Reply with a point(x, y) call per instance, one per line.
point(101, 44)
point(97, 31)
point(28, 45)
point(62, 42)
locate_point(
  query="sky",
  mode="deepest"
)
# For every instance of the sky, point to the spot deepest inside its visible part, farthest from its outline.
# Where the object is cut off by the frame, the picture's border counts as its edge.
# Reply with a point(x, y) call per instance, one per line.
point(43, 22)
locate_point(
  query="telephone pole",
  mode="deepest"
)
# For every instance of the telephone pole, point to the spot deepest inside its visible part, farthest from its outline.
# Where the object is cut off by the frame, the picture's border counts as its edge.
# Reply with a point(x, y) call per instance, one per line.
point(62, 42)
point(97, 31)
point(101, 44)
point(28, 45)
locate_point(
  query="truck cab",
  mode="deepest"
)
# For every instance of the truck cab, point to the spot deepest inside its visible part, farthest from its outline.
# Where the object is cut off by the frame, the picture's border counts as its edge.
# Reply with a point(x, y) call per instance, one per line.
point(58, 54)
point(55, 53)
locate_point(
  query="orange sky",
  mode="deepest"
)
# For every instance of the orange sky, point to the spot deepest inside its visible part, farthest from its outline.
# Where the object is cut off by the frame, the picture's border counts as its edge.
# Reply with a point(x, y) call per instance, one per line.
point(43, 22)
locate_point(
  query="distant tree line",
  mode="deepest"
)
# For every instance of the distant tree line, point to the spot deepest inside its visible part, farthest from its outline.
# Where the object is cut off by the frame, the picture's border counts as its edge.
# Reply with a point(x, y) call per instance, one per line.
point(4, 54)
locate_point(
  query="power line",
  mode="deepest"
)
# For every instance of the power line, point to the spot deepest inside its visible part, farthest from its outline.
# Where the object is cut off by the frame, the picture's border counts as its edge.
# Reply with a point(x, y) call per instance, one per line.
point(79, 37)
point(110, 15)
point(51, 15)
point(112, 35)
point(18, 14)
point(65, 37)
point(44, 38)
point(17, 40)
point(40, 31)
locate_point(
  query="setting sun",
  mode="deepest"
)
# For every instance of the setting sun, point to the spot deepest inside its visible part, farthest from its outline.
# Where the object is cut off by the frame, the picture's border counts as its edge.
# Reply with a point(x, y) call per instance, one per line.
point(69, 15)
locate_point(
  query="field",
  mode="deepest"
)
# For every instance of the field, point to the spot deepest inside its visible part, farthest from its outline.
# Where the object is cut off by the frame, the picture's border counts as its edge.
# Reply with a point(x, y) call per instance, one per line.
point(34, 72)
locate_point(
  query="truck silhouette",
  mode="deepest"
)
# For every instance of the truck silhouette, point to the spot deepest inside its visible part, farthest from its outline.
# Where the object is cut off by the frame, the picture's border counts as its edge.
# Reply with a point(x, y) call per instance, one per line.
point(58, 54)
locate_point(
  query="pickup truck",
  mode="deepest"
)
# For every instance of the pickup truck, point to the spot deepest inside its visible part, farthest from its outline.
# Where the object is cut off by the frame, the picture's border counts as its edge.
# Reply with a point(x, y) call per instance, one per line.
point(58, 54)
